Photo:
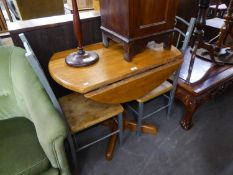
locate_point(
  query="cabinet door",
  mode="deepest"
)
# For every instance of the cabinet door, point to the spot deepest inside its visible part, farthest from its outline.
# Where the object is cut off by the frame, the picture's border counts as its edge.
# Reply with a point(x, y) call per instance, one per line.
point(152, 16)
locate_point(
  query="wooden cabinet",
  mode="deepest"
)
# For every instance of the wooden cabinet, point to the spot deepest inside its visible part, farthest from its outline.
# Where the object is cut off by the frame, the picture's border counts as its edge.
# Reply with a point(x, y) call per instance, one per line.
point(135, 22)
point(82, 4)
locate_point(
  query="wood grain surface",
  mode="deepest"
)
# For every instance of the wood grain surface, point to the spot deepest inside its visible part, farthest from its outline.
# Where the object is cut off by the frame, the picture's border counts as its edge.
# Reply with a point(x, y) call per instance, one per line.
point(110, 68)
point(134, 87)
point(82, 113)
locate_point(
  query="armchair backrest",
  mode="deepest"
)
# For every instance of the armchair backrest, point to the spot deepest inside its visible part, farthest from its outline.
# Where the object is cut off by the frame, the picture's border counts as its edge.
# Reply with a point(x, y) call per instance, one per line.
point(9, 106)
point(21, 94)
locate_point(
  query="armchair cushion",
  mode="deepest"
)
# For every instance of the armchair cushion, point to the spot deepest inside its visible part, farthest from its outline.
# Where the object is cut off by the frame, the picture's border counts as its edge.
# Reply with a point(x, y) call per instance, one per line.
point(23, 95)
point(20, 149)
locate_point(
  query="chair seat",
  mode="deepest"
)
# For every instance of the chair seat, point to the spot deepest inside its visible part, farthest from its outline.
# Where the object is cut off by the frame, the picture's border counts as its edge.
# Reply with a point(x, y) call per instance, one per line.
point(20, 150)
point(163, 88)
point(82, 113)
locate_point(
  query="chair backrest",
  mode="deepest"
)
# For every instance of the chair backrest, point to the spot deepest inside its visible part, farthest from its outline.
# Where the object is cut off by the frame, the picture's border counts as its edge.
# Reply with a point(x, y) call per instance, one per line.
point(182, 37)
point(32, 59)
point(182, 41)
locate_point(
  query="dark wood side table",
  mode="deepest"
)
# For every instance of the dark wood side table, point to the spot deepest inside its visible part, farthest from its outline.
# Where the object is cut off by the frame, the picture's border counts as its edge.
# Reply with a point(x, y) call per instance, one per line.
point(113, 80)
point(207, 80)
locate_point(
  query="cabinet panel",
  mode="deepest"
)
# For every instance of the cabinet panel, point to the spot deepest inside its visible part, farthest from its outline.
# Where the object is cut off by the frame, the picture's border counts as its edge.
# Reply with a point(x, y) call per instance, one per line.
point(134, 23)
point(152, 16)
point(115, 15)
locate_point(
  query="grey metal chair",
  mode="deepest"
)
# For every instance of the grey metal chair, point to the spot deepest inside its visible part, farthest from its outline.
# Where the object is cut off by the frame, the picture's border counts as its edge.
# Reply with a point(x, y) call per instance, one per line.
point(82, 120)
point(182, 42)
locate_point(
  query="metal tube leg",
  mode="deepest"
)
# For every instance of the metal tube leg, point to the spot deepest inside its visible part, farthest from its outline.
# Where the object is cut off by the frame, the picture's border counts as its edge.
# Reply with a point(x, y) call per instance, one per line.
point(72, 149)
point(170, 105)
point(139, 119)
point(105, 40)
point(172, 94)
point(120, 127)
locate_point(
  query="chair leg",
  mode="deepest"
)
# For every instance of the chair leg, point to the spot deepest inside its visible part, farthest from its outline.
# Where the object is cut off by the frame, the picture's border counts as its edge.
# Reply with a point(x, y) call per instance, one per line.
point(139, 119)
point(172, 93)
point(73, 151)
point(170, 105)
point(120, 127)
point(112, 142)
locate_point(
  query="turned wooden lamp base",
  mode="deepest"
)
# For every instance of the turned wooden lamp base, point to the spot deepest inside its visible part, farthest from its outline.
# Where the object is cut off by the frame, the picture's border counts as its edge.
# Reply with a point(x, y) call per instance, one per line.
point(81, 58)
point(77, 59)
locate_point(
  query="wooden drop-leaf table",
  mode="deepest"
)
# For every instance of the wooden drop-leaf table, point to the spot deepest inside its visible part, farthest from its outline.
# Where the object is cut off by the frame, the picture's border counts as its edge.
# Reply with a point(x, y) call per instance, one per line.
point(113, 80)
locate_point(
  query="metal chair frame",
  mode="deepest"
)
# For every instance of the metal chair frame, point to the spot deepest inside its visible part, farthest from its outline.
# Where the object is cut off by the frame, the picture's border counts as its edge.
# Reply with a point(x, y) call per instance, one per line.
point(32, 59)
point(139, 112)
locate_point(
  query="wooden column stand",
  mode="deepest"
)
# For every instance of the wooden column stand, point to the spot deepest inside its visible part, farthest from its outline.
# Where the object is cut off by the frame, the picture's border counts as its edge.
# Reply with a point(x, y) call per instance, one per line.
point(198, 36)
point(80, 58)
point(127, 125)
point(218, 53)
point(226, 29)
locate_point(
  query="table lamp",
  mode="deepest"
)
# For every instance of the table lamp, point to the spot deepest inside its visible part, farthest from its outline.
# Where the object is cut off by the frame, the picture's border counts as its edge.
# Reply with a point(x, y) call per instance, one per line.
point(80, 58)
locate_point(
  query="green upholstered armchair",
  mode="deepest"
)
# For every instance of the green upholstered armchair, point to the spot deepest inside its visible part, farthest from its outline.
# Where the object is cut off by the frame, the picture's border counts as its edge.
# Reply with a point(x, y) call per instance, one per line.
point(31, 131)
point(29, 9)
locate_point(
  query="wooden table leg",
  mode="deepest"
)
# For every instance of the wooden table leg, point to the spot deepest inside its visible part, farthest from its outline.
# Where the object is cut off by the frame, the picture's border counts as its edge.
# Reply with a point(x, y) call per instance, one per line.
point(131, 126)
point(113, 139)
point(191, 104)
point(186, 122)
point(146, 128)
point(111, 146)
